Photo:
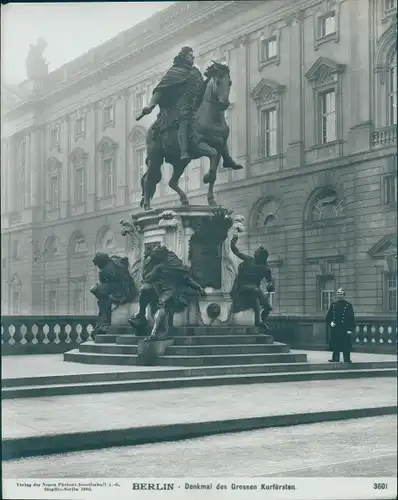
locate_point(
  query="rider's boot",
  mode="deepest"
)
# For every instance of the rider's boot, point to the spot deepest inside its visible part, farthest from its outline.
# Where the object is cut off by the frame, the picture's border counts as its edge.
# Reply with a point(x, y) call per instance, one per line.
point(183, 140)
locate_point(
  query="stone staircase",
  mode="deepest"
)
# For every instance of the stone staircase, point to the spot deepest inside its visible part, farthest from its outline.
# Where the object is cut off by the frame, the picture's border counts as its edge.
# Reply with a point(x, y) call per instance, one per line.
point(195, 346)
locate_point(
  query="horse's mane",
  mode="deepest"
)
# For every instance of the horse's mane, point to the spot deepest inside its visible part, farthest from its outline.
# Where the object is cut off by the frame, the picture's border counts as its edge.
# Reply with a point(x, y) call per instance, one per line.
point(215, 69)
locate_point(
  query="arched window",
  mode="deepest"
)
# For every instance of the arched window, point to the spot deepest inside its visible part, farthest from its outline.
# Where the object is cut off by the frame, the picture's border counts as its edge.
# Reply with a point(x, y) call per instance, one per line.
point(52, 246)
point(106, 240)
point(392, 90)
point(325, 205)
point(266, 215)
point(77, 243)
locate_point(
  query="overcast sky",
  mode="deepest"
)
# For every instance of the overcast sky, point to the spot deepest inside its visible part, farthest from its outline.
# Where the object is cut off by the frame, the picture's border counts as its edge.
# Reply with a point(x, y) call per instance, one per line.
point(70, 30)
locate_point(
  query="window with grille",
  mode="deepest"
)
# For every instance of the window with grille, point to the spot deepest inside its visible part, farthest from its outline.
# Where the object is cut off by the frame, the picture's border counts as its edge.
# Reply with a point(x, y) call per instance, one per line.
point(269, 48)
point(327, 25)
point(326, 290)
point(327, 116)
point(107, 180)
point(390, 189)
point(269, 124)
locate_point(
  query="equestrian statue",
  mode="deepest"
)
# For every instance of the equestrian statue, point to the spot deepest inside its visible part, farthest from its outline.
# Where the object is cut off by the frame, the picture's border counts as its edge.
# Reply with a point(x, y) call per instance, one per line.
point(190, 124)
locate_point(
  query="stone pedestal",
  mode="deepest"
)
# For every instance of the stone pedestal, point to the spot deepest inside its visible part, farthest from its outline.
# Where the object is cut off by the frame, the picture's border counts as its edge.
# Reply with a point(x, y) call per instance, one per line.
point(201, 237)
point(149, 351)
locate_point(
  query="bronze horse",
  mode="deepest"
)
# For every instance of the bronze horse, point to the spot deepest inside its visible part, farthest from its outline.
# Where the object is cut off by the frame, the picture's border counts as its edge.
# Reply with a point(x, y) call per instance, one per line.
point(208, 137)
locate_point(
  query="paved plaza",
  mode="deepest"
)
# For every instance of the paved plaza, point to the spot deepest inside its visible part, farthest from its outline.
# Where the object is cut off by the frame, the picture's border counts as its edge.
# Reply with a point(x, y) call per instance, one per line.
point(41, 365)
point(353, 448)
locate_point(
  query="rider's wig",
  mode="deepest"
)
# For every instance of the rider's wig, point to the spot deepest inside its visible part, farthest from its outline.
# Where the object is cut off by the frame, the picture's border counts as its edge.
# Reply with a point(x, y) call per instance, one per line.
point(181, 59)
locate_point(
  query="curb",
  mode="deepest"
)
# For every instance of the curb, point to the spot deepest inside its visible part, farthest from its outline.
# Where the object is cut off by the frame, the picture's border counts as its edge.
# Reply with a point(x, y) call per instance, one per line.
point(15, 448)
point(184, 382)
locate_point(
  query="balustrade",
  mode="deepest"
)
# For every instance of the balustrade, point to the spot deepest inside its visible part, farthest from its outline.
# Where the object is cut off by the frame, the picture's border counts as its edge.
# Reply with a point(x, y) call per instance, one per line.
point(385, 136)
point(64, 332)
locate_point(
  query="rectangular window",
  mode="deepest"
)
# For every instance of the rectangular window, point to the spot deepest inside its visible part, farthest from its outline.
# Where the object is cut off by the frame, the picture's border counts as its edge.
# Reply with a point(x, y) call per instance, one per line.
point(140, 100)
point(55, 136)
point(390, 4)
point(16, 299)
point(327, 25)
point(391, 288)
point(52, 297)
point(269, 48)
point(328, 116)
point(108, 177)
point(108, 114)
point(390, 189)
point(326, 291)
point(139, 161)
point(15, 249)
point(80, 126)
point(269, 125)
point(78, 297)
point(392, 97)
point(54, 192)
point(79, 185)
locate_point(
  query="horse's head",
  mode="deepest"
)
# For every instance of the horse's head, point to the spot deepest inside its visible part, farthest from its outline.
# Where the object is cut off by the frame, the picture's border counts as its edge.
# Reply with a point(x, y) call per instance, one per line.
point(219, 82)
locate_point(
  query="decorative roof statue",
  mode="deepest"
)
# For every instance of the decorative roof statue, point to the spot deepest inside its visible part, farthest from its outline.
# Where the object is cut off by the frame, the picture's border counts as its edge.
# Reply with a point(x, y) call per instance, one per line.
point(36, 65)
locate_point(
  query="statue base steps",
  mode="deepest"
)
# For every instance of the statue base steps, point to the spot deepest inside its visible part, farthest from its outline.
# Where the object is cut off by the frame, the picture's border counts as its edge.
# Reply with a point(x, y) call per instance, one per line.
point(189, 347)
point(149, 351)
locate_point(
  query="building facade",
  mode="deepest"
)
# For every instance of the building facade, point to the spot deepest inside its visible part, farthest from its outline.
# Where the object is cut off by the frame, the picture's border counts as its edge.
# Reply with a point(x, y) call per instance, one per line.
point(312, 119)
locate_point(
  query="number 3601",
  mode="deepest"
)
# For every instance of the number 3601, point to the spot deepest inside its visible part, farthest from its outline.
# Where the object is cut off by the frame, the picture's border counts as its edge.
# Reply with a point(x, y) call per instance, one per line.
point(380, 486)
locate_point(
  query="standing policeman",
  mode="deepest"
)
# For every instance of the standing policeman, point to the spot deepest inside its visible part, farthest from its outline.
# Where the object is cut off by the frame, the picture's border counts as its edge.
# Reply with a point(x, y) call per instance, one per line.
point(340, 317)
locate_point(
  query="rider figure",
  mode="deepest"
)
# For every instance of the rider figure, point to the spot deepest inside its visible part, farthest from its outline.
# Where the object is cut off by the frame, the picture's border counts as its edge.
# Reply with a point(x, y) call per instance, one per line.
point(179, 95)
point(181, 89)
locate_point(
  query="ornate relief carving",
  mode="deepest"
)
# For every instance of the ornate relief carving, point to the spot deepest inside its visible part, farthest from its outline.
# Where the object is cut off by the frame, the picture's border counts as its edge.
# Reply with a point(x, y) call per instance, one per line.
point(173, 222)
point(137, 135)
point(324, 71)
point(326, 205)
point(53, 165)
point(78, 156)
point(107, 146)
point(266, 91)
point(267, 214)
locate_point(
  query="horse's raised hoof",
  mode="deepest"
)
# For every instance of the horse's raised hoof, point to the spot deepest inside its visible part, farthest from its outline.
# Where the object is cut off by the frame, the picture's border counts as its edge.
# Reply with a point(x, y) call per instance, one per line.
point(206, 178)
point(233, 166)
point(212, 202)
point(185, 203)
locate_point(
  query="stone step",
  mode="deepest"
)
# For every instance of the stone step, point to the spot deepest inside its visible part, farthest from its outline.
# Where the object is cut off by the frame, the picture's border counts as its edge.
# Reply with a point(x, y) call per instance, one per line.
point(204, 381)
point(105, 339)
point(215, 330)
point(223, 339)
point(231, 359)
point(165, 372)
point(200, 339)
point(207, 350)
point(195, 350)
point(91, 347)
point(100, 359)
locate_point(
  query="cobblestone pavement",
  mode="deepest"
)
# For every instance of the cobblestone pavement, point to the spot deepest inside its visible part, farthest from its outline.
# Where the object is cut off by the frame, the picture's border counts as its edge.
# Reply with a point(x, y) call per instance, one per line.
point(80, 413)
point(53, 364)
point(364, 447)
